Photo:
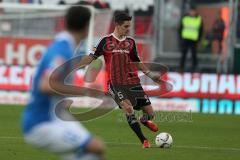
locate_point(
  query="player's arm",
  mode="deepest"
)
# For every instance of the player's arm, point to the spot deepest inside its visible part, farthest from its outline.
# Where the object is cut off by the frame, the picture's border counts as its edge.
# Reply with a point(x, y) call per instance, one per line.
point(44, 85)
point(55, 65)
point(86, 60)
point(96, 52)
point(58, 76)
point(94, 69)
point(141, 66)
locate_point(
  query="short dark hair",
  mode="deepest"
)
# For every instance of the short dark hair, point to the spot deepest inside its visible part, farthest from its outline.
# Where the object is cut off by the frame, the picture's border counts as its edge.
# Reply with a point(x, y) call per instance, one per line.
point(120, 17)
point(77, 18)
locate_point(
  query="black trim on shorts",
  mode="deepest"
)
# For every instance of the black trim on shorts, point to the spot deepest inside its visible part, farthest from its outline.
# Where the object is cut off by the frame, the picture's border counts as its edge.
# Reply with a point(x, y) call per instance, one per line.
point(134, 93)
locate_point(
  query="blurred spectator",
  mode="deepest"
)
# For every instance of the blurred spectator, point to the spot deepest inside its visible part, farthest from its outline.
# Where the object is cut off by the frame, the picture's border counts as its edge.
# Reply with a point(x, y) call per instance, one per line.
point(217, 30)
point(101, 5)
point(83, 3)
point(61, 2)
point(97, 4)
point(190, 33)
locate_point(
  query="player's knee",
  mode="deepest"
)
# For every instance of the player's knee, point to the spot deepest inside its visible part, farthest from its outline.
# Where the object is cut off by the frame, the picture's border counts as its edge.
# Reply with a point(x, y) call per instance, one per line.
point(127, 107)
point(96, 146)
point(148, 111)
point(147, 117)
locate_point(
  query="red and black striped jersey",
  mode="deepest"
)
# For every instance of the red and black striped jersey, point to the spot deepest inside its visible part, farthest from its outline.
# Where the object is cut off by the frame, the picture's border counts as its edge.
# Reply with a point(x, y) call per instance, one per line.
point(119, 56)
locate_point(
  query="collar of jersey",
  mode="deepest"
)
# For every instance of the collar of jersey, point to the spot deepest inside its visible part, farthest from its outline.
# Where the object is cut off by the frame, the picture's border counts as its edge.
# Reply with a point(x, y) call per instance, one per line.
point(118, 38)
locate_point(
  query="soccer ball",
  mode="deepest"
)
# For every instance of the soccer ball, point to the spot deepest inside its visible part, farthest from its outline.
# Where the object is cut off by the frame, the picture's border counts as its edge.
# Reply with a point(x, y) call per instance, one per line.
point(164, 140)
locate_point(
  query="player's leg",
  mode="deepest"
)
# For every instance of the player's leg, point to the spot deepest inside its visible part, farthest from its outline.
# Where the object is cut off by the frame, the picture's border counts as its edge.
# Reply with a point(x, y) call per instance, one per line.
point(146, 119)
point(194, 55)
point(120, 96)
point(142, 102)
point(89, 148)
point(94, 151)
point(184, 51)
point(148, 113)
point(132, 119)
point(70, 140)
point(96, 146)
point(134, 124)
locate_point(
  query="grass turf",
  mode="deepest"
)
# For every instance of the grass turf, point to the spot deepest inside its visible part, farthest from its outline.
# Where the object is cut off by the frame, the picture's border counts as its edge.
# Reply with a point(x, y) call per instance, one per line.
point(195, 136)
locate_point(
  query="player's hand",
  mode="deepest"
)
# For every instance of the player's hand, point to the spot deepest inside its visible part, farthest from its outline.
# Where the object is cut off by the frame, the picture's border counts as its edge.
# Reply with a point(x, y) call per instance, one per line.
point(154, 76)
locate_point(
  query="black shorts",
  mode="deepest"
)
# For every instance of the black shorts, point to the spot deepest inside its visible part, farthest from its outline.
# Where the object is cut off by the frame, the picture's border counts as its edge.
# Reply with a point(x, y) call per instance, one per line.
point(134, 93)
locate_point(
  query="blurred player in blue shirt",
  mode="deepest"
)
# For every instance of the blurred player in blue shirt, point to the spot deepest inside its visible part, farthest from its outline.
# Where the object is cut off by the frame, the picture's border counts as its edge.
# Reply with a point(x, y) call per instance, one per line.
point(41, 127)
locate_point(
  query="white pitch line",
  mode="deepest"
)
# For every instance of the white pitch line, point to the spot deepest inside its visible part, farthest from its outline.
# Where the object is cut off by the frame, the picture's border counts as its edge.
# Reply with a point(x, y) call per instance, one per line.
point(209, 148)
point(182, 146)
point(175, 146)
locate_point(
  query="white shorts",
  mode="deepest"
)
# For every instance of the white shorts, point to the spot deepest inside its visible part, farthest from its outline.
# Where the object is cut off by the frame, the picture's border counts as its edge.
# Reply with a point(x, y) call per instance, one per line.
point(59, 136)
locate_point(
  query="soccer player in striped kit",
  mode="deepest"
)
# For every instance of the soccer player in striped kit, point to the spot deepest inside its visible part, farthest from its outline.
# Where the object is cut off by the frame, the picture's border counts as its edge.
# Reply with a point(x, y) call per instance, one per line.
point(120, 53)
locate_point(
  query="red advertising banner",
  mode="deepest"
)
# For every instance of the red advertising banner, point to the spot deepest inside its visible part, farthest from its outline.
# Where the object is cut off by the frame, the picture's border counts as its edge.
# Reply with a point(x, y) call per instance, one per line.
point(15, 78)
point(21, 51)
point(214, 86)
point(185, 85)
point(19, 78)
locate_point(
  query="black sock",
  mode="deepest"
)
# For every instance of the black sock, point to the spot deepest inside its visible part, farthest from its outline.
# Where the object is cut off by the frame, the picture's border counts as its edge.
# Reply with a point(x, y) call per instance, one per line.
point(133, 123)
point(146, 117)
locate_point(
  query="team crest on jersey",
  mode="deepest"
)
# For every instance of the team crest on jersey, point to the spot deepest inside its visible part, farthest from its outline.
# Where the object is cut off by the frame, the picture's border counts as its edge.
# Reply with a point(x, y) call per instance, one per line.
point(109, 47)
point(123, 47)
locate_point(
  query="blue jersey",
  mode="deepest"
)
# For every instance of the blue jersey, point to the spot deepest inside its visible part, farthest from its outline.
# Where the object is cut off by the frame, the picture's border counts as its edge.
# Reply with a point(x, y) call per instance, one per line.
point(41, 105)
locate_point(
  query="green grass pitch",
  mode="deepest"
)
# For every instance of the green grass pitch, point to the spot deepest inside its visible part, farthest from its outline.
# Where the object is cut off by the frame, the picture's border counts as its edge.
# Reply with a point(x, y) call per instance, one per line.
point(195, 136)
